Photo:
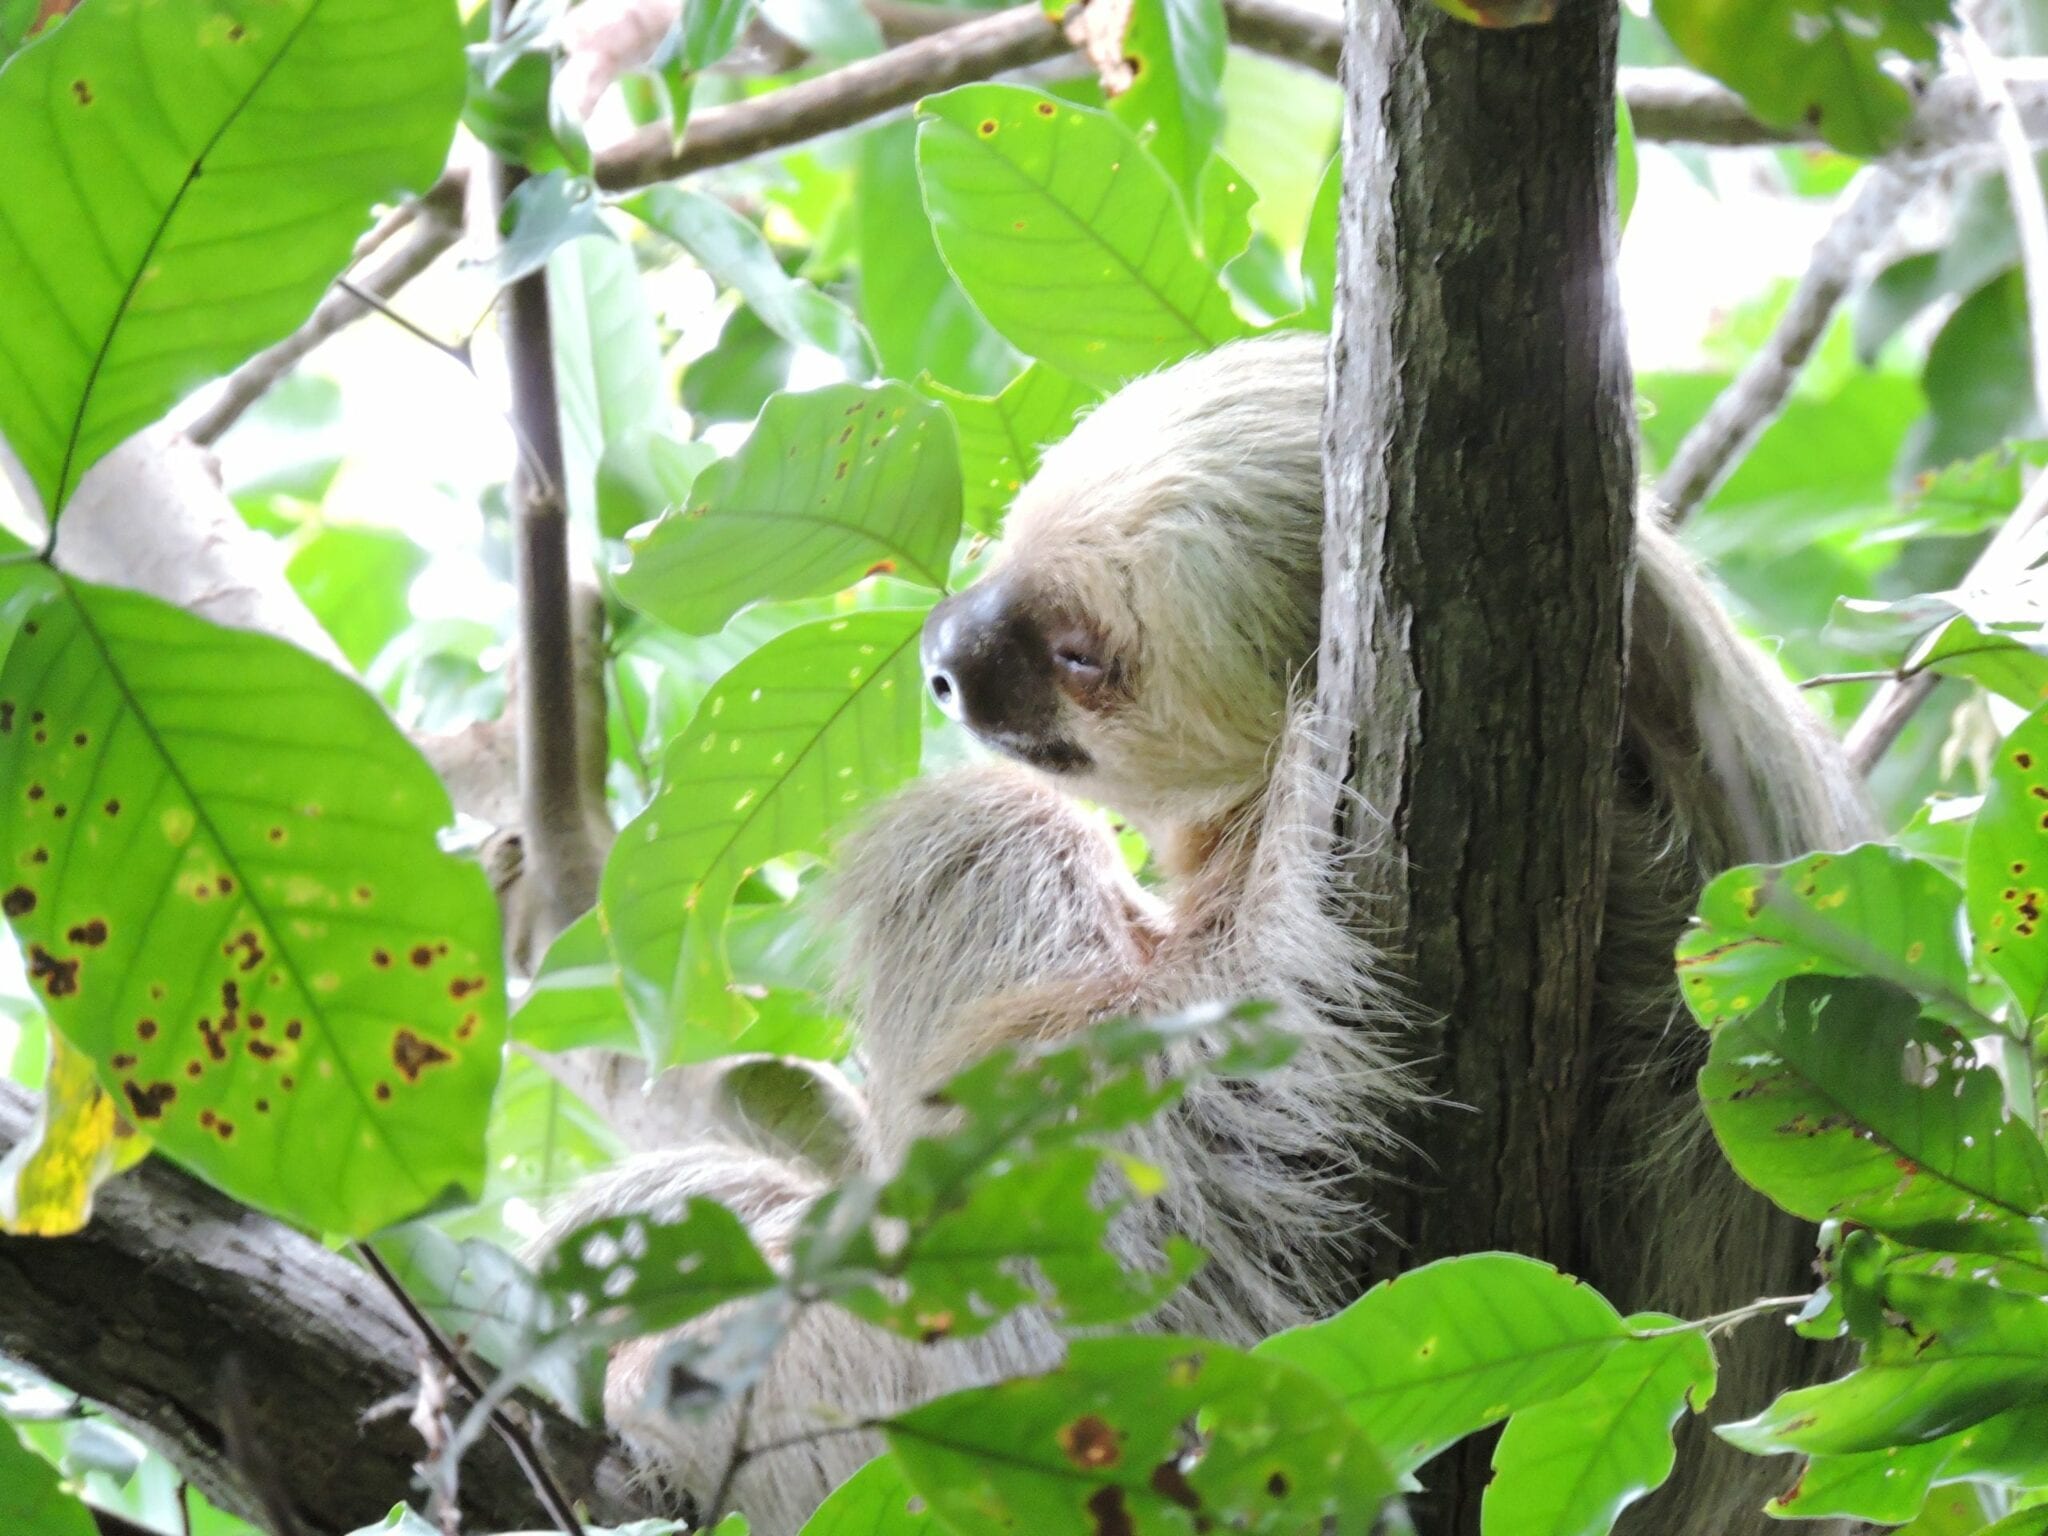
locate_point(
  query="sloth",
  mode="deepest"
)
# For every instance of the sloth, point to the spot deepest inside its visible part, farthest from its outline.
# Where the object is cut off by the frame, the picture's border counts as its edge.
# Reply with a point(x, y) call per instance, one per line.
point(1143, 641)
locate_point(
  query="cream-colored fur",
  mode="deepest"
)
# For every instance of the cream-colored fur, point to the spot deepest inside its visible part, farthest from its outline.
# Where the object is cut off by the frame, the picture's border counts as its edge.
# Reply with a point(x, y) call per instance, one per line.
point(1180, 525)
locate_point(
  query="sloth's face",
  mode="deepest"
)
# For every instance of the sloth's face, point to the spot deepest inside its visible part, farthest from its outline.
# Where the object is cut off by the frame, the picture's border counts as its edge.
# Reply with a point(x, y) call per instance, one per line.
point(1157, 590)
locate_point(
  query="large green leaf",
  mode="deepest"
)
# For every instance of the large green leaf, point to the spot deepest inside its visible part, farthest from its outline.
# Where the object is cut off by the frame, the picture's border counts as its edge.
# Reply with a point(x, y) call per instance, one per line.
point(1100, 1445)
point(1812, 63)
point(787, 745)
point(221, 866)
point(608, 373)
point(2007, 865)
point(1432, 1355)
point(1002, 437)
point(1889, 1485)
point(876, 1501)
point(1837, 1099)
point(183, 182)
point(1067, 236)
point(1871, 911)
point(1174, 102)
point(831, 485)
point(1952, 1353)
point(1568, 1467)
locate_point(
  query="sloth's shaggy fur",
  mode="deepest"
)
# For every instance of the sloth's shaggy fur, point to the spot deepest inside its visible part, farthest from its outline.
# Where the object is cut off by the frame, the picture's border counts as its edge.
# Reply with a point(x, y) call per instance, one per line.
point(1182, 523)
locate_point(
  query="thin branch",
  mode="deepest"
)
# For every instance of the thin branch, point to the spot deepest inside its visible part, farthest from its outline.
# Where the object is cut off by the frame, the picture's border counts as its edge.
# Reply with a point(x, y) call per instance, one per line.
point(542, 1481)
point(1712, 450)
point(1720, 1322)
point(736, 1458)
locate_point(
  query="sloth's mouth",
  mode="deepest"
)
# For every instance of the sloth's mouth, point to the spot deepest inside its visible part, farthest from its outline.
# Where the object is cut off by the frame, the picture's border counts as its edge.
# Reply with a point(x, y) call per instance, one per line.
point(1055, 754)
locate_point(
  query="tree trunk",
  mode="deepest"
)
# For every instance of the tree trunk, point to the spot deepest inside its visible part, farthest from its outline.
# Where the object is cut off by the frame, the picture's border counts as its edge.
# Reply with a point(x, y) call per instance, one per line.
point(1481, 478)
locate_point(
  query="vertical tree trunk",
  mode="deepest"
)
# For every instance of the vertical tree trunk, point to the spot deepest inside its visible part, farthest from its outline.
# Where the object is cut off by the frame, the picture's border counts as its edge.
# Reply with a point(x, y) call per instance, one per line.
point(1481, 477)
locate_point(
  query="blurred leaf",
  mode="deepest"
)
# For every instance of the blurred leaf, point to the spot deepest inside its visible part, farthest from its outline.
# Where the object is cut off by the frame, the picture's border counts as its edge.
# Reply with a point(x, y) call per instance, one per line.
point(193, 184)
point(1223, 212)
point(209, 824)
point(508, 106)
point(708, 30)
point(1100, 1445)
point(1174, 102)
point(1319, 250)
point(830, 486)
point(1979, 377)
point(1890, 1485)
point(1892, 300)
point(1568, 1467)
point(32, 1500)
point(357, 581)
point(920, 320)
point(1952, 1353)
point(1280, 124)
point(2006, 664)
point(23, 20)
point(1813, 63)
point(288, 444)
point(834, 30)
point(1422, 1360)
point(1002, 439)
point(790, 743)
point(608, 373)
point(2007, 865)
point(1065, 234)
point(544, 214)
point(739, 257)
point(1871, 911)
point(1624, 161)
point(77, 1143)
point(628, 1276)
point(876, 1501)
point(734, 379)
point(1500, 13)
point(576, 998)
point(641, 475)
point(1838, 1101)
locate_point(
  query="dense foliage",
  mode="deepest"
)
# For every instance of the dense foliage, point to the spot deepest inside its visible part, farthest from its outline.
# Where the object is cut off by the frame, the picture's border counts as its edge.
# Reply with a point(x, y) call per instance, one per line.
point(796, 396)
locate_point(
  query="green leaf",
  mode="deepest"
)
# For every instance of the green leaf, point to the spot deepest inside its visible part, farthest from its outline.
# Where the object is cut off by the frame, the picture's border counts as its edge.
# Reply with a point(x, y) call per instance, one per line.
point(224, 877)
point(2006, 868)
point(576, 999)
point(790, 743)
point(543, 214)
point(1814, 63)
point(1100, 1445)
point(1065, 234)
point(1223, 206)
point(1979, 377)
point(876, 1501)
point(739, 257)
point(1624, 161)
point(181, 189)
point(920, 320)
point(1174, 103)
point(1952, 1353)
point(837, 30)
point(709, 29)
point(1890, 1485)
point(1568, 1467)
point(32, 1498)
point(830, 486)
point(734, 379)
point(1424, 1359)
point(357, 581)
point(1002, 438)
point(641, 475)
point(627, 1276)
point(1319, 250)
point(608, 374)
point(1837, 1099)
point(2011, 666)
point(1871, 911)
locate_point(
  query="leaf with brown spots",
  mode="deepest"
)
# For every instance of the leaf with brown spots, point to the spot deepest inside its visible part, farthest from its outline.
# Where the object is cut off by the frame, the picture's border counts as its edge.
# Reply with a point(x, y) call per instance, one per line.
point(1102, 1447)
point(223, 180)
point(2006, 866)
point(224, 980)
point(78, 1142)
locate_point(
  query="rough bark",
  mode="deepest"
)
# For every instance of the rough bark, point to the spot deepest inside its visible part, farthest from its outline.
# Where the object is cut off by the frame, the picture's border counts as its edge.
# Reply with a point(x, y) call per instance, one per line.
point(1481, 478)
point(145, 1309)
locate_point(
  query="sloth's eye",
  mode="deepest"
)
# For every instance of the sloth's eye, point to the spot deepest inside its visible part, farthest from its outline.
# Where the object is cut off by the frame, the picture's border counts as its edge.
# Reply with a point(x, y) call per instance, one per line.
point(1078, 662)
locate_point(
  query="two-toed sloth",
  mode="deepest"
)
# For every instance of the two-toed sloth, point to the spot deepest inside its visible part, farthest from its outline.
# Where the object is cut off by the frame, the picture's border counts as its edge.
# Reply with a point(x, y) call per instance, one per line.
point(1143, 641)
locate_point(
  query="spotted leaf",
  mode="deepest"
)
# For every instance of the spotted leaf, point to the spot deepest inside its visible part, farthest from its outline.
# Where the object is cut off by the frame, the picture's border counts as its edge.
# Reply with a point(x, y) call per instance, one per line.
point(219, 859)
point(1003, 436)
point(830, 485)
point(1068, 237)
point(2006, 866)
point(183, 183)
point(787, 745)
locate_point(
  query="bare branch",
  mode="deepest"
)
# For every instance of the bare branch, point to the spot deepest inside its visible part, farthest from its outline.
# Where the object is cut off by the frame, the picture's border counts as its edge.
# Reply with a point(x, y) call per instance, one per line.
point(138, 1311)
point(1711, 451)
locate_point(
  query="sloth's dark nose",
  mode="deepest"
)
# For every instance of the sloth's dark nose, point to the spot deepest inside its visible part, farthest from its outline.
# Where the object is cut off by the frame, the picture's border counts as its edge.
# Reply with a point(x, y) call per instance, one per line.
point(987, 662)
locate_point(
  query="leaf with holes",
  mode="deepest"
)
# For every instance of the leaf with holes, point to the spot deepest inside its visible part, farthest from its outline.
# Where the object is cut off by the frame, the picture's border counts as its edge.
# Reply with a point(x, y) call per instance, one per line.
point(1003, 436)
point(785, 747)
point(1872, 911)
point(831, 485)
point(1426, 1358)
point(183, 183)
point(2006, 867)
point(1568, 1467)
point(628, 1276)
point(1102, 1444)
point(1838, 1100)
point(1067, 236)
point(219, 859)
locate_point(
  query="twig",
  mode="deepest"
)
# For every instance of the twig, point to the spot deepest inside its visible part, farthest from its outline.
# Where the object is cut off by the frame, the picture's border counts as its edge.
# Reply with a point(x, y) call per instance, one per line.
point(1871, 734)
point(736, 1458)
point(1721, 1321)
point(184, 1508)
point(1712, 450)
point(455, 351)
point(2023, 185)
point(557, 1504)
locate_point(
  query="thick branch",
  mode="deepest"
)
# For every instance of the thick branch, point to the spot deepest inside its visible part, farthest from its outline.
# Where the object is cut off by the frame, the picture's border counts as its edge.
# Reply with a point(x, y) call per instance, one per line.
point(1481, 481)
point(170, 1280)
